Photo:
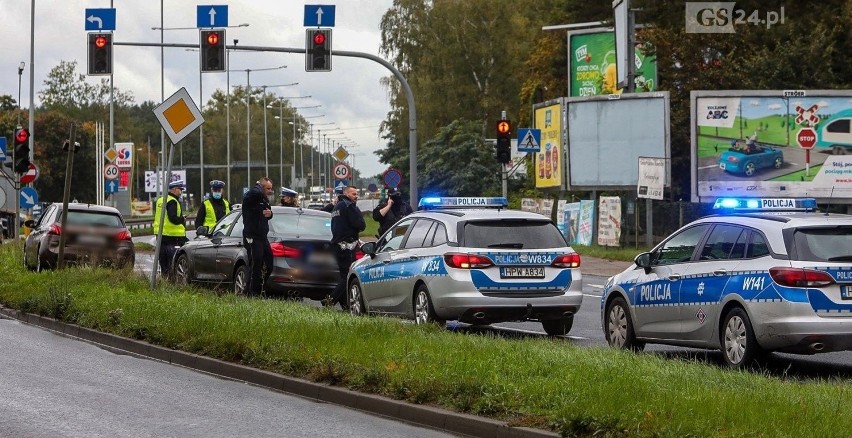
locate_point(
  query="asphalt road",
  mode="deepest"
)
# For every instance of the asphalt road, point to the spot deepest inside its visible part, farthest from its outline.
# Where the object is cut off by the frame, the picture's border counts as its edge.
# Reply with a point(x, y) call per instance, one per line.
point(52, 385)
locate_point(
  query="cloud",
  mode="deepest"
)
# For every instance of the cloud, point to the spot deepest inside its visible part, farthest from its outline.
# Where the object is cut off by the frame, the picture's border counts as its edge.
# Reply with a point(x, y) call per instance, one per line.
point(774, 106)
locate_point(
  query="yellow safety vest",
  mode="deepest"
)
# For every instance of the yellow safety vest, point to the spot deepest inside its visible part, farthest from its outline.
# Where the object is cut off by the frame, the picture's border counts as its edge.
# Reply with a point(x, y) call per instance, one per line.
point(210, 213)
point(169, 229)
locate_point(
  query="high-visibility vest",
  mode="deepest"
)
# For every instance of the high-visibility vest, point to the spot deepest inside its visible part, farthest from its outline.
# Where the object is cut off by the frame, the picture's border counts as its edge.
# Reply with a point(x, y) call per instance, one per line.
point(210, 213)
point(169, 229)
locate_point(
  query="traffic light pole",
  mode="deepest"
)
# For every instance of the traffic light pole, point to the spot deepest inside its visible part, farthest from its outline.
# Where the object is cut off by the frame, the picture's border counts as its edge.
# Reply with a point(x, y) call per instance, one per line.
point(409, 95)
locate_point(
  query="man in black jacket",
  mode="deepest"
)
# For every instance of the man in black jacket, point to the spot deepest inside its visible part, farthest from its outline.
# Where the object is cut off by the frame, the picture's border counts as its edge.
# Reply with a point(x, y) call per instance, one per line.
point(256, 214)
point(390, 211)
point(347, 222)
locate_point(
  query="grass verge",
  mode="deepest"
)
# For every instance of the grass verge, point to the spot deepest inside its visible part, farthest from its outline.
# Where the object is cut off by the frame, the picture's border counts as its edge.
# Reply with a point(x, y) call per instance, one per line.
point(609, 252)
point(548, 384)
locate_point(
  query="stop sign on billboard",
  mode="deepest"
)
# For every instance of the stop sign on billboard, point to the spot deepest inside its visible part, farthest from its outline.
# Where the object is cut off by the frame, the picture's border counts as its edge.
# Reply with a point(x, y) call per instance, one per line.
point(806, 138)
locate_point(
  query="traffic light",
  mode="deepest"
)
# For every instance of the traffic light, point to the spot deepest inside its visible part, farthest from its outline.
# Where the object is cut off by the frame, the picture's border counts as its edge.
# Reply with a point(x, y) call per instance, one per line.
point(22, 150)
point(100, 54)
point(318, 50)
point(212, 50)
point(504, 141)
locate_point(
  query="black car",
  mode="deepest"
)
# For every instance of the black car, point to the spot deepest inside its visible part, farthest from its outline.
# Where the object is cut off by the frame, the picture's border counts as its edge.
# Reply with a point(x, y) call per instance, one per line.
point(304, 263)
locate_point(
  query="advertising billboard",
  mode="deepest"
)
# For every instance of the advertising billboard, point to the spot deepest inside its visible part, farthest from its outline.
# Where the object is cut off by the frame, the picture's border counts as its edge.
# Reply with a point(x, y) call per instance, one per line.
point(793, 143)
point(549, 162)
point(592, 64)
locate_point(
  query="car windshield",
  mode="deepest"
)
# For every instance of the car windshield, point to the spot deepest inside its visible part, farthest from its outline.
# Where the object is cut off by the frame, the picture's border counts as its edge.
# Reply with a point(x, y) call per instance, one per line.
point(93, 218)
point(824, 244)
point(301, 224)
point(512, 234)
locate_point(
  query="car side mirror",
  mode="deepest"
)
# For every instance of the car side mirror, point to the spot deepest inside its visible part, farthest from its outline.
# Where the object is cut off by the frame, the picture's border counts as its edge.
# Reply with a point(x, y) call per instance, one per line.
point(202, 231)
point(643, 261)
point(369, 248)
point(29, 223)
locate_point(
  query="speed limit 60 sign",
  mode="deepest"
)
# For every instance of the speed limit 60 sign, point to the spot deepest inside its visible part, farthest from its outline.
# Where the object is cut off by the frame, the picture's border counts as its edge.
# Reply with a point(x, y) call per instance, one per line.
point(341, 171)
point(110, 171)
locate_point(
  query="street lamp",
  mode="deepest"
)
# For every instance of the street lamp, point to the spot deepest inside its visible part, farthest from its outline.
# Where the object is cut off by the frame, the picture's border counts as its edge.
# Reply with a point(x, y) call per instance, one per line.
point(293, 176)
point(265, 137)
point(280, 101)
point(20, 73)
point(312, 147)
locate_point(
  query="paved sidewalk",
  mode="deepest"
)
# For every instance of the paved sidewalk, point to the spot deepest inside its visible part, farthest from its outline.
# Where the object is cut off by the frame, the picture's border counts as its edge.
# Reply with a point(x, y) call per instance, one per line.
point(605, 268)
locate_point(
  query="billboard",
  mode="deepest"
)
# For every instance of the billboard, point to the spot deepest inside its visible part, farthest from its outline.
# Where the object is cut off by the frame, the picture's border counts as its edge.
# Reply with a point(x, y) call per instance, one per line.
point(592, 64)
point(549, 162)
point(790, 143)
point(607, 136)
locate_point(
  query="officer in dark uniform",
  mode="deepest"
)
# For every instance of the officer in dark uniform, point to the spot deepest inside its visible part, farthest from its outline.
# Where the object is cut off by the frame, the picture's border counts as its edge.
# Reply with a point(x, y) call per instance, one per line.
point(213, 208)
point(330, 206)
point(390, 211)
point(347, 222)
point(256, 215)
point(289, 197)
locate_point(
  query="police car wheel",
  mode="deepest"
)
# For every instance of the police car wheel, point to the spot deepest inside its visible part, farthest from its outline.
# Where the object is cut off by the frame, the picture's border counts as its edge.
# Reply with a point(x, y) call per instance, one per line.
point(739, 346)
point(356, 299)
point(558, 327)
point(240, 280)
point(619, 327)
point(424, 313)
point(181, 270)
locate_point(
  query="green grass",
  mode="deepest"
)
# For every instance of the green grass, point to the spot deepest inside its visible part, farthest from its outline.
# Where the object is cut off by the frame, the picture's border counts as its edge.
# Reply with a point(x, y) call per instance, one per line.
point(626, 254)
point(543, 383)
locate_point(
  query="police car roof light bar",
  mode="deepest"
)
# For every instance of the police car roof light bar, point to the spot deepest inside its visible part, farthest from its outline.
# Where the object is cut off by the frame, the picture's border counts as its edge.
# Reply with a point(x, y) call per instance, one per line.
point(766, 204)
point(434, 202)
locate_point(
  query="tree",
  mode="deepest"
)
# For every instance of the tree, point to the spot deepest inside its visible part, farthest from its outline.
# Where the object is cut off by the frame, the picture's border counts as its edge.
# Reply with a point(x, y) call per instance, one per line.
point(458, 162)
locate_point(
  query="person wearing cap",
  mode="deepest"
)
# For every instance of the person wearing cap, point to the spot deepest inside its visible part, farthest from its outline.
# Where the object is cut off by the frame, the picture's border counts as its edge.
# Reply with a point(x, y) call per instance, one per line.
point(213, 208)
point(289, 197)
point(174, 225)
point(347, 223)
point(256, 215)
point(330, 206)
point(388, 212)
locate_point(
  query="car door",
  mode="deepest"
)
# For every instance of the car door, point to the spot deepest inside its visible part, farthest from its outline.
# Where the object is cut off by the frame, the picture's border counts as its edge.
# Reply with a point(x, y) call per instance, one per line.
point(382, 283)
point(205, 250)
point(230, 246)
point(408, 263)
point(655, 295)
point(701, 290)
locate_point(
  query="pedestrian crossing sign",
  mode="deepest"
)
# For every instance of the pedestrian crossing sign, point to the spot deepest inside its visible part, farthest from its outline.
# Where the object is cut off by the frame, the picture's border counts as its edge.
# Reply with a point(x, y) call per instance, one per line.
point(529, 140)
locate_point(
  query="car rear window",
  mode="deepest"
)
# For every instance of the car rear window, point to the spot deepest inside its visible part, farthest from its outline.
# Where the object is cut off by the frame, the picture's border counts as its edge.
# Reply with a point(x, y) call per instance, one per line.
point(301, 224)
point(512, 234)
point(824, 244)
point(93, 218)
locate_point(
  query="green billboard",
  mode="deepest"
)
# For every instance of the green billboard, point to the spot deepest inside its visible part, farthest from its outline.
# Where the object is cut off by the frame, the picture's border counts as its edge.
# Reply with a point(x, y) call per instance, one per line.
point(591, 65)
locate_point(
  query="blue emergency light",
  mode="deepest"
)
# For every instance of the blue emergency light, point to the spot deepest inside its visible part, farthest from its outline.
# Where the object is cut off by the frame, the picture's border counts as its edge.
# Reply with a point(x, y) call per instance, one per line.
point(433, 202)
point(766, 204)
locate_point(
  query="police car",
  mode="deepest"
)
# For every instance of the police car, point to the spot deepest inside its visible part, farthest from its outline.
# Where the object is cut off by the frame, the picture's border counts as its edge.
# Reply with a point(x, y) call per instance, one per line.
point(471, 260)
point(768, 275)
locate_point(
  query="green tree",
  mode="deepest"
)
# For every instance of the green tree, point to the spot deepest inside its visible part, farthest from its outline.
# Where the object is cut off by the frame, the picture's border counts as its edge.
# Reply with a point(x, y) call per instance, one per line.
point(458, 162)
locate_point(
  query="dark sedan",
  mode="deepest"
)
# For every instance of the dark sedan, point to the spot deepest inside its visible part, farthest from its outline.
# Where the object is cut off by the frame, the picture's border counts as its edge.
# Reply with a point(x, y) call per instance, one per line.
point(94, 235)
point(303, 257)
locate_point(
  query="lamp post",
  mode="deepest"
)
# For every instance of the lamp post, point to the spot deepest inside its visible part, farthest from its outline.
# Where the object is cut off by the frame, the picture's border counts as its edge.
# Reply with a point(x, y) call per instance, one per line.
point(322, 140)
point(294, 141)
point(20, 73)
point(280, 117)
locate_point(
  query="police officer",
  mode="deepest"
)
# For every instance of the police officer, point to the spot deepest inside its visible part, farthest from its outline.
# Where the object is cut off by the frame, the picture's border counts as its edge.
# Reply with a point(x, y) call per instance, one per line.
point(390, 211)
point(289, 197)
point(174, 225)
point(347, 222)
point(213, 208)
point(330, 206)
point(256, 215)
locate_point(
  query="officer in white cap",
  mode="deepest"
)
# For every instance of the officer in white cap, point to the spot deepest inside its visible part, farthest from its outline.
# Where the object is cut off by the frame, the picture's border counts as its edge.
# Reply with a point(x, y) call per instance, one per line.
point(213, 208)
point(174, 225)
point(289, 197)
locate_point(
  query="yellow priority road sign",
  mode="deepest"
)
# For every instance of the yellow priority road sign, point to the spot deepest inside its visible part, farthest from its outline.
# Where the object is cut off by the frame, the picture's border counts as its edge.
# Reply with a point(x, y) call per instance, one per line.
point(340, 153)
point(178, 115)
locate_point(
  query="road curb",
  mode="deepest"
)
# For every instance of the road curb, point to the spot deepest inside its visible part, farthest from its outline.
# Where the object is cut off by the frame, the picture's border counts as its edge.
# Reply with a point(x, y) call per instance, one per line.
point(421, 415)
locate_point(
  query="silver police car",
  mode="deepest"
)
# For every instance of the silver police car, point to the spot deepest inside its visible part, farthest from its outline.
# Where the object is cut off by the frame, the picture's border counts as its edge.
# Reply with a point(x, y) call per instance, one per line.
point(471, 260)
point(767, 275)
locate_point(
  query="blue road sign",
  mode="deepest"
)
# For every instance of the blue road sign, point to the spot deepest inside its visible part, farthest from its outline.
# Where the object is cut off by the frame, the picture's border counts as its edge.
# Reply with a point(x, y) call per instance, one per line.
point(99, 20)
point(529, 140)
point(340, 184)
point(392, 178)
point(111, 186)
point(319, 15)
point(2, 149)
point(29, 197)
point(372, 187)
point(212, 16)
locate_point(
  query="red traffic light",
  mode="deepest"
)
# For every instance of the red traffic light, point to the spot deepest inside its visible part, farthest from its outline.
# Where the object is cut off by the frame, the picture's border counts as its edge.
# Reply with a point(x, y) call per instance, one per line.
point(22, 135)
point(319, 38)
point(504, 127)
point(213, 38)
point(101, 42)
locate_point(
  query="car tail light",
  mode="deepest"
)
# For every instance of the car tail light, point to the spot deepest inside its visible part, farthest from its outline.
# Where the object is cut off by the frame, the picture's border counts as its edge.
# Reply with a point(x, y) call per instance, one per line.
point(281, 250)
point(571, 260)
point(55, 229)
point(733, 159)
point(798, 277)
point(466, 261)
point(124, 235)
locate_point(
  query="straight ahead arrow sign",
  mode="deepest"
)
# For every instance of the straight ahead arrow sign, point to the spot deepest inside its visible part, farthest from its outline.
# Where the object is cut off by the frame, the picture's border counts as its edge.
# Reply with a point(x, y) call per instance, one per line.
point(212, 16)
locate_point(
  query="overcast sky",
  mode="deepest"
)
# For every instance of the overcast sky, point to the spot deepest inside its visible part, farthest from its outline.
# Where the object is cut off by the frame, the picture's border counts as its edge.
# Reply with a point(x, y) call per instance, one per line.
point(351, 95)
